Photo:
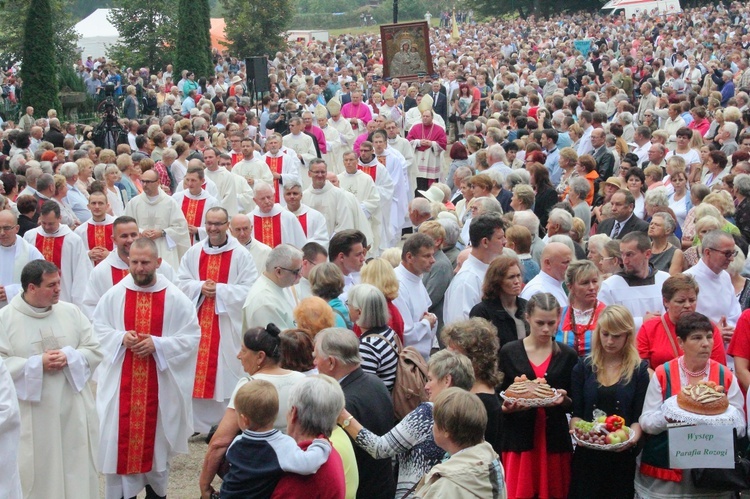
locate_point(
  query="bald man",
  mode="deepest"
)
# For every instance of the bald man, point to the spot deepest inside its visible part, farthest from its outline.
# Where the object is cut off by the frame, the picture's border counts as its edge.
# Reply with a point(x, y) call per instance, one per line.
point(241, 227)
point(554, 262)
point(273, 225)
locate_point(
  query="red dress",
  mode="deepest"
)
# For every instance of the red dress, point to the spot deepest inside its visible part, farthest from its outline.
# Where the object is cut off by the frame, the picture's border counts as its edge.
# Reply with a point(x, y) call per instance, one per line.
point(536, 473)
point(395, 322)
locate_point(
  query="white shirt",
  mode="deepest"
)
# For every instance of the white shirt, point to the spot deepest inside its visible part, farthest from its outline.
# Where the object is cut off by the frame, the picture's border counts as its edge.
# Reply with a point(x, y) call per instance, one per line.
point(465, 290)
point(545, 283)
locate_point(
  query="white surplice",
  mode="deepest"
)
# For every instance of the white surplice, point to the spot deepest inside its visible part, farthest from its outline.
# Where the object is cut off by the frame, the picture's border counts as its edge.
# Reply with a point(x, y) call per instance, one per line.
point(230, 298)
point(10, 436)
point(364, 189)
point(211, 202)
point(59, 430)
point(74, 262)
point(259, 252)
point(406, 150)
point(255, 168)
point(315, 227)
point(291, 230)
point(162, 213)
point(346, 137)
point(412, 302)
point(12, 261)
point(176, 352)
point(331, 202)
point(302, 145)
point(226, 187)
point(266, 303)
point(82, 230)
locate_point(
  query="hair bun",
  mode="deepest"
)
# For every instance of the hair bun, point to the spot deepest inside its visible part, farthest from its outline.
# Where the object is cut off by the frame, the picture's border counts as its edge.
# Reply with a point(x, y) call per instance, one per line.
point(273, 330)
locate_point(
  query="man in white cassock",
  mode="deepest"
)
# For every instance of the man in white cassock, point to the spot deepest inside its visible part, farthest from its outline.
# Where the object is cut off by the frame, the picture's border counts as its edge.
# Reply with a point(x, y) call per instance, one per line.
point(302, 146)
point(160, 219)
point(241, 227)
point(62, 247)
point(352, 204)
point(243, 192)
point(223, 179)
point(15, 253)
point(272, 224)
point(117, 265)
point(283, 166)
point(266, 303)
point(96, 232)
point(216, 275)
point(50, 351)
point(10, 436)
point(394, 164)
point(343, 142)
point(149, 334)
point(400, 144)
point(328, 200)
point(313, 223)
point(413, 301)
point(359, 183)
point(250, 167)
point(194, 202)
point(372, 165)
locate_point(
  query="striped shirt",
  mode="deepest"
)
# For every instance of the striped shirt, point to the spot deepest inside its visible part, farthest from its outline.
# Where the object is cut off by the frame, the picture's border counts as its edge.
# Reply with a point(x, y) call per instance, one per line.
point(378, 356)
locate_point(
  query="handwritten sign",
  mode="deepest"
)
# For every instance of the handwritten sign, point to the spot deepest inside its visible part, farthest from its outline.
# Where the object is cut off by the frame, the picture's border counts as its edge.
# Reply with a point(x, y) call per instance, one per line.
point(701, 446)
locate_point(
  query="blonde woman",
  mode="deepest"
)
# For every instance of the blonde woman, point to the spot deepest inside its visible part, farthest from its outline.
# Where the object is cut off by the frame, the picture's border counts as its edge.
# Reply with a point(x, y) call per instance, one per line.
point(379, 273)
point(613, 379)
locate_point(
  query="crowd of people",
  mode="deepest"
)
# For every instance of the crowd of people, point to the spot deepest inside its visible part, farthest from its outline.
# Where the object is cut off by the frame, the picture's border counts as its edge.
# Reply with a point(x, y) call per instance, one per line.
point(260, 270)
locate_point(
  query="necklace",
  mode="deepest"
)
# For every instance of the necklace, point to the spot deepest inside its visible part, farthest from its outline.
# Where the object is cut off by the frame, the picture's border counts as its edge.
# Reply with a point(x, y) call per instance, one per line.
point(658, 251)
point(696, 374)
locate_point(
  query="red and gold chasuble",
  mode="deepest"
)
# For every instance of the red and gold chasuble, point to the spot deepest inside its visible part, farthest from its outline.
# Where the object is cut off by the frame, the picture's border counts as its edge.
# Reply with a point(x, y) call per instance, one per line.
point(372, 171)
point(303, 222)
point(51, 248)
point(100, 236)
point(193, 211)
point(139, 386)
point(215, 268)
point(268, 229)
point(118, 274)
point(276, 165)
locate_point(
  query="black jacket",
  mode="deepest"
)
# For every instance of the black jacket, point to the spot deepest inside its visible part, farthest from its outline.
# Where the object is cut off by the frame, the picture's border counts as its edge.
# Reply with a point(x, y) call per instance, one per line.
point(519, 426)
point(368, 400)
point(634, 224)
point(55, 136)
point(493, 311)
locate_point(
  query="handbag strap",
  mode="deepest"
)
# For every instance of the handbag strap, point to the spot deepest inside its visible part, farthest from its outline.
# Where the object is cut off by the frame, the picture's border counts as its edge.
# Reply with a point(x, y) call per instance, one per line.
point(394, 347)
point(669, 335)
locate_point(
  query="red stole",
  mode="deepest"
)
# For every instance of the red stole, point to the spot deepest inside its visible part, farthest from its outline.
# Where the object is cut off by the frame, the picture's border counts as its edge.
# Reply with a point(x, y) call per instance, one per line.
point(215, 268)
point(236, 158)
point(268, 229)
point(51, 248)
point(372, 171)
point(303, 222)
point(139, 386)
point(100, 236)
point(193, 211)
point(275, 164)
point(118, 274)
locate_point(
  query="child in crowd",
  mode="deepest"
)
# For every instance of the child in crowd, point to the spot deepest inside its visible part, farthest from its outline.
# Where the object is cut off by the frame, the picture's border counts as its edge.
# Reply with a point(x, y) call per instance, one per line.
point(260, 455)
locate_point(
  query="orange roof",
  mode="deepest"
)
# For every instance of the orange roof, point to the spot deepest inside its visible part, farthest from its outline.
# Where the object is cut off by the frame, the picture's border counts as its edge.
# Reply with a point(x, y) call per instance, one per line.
point(217, 33)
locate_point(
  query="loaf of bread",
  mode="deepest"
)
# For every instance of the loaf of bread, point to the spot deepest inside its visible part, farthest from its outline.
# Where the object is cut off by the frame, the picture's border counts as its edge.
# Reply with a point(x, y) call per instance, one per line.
point(524, 388)
point(705, 398)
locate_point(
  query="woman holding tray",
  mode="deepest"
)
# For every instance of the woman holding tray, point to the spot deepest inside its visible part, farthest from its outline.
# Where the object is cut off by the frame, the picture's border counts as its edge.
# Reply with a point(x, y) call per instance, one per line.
point(695, 336)
point(535, 441)
point(613, 379)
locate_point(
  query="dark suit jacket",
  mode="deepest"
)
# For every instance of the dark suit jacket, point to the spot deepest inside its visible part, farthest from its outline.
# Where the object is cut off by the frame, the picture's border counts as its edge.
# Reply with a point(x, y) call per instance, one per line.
point(346, 98)
point(55, 136)
point(440, 105)
point(605, 164)
point(635, 224)
point(368, 400)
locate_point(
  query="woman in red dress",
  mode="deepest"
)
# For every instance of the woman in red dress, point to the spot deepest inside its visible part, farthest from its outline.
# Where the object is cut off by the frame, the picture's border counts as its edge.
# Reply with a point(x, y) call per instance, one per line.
point(536, 445)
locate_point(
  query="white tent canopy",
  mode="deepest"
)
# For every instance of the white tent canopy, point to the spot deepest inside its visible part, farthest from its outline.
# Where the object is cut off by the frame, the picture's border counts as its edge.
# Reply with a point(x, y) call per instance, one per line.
point(637, 7)
point(97, 34)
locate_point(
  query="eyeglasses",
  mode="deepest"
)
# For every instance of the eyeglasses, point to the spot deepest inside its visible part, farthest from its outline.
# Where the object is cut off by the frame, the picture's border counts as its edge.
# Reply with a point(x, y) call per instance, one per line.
point(727, 254)
point(216, 224)
point(148, 181)
point(7, 228)
point(295, 272)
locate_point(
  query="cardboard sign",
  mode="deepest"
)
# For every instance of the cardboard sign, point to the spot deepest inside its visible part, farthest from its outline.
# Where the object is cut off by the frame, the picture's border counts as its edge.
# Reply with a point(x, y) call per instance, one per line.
point(701, 446)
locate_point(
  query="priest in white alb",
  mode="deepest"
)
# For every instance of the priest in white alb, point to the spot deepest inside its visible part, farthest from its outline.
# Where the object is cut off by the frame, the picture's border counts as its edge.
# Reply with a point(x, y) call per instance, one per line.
point(62, 247)
point(328, 200)
point(223, 180)
point(300, 144)
point(15, 253)
point(283, 166)
point(50, 351)
point(149, 334)
point(272, 224)
point(216, 275)
point(117, 265)
point(402, 146)
point(96, 232)
point(394, 164)
point(341, 143)
point(364, 189)
point(312, 221)
point(352, 204)
point(250, 167)
point(194, 202)
point(160, 219)
point(10, 436)
point(241, 227)
point(429, 142)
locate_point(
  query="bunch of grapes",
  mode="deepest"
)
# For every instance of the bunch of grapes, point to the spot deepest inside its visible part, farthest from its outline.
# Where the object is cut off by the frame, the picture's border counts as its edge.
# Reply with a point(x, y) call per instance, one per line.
point(584, 426)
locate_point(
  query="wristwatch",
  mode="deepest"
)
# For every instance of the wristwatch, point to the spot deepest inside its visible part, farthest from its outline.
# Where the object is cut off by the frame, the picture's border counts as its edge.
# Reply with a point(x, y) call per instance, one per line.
point(345, 423)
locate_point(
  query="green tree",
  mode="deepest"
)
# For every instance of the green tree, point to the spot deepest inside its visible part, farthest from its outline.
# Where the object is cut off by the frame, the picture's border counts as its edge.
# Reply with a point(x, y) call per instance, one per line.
point(12, 16)
point(193, 49)
point(255, 27)
point(39, 70)
point(526, 8)
point(147, 34)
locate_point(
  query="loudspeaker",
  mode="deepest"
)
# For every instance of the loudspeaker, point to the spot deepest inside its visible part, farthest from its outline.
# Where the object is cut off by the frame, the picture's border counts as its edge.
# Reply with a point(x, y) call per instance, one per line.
point(257, 70)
